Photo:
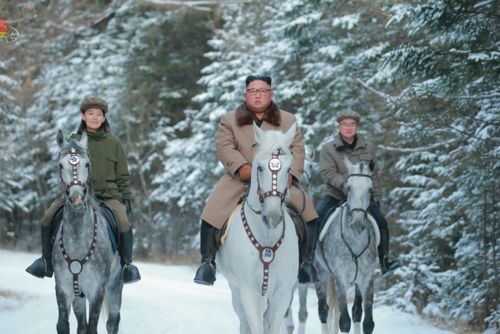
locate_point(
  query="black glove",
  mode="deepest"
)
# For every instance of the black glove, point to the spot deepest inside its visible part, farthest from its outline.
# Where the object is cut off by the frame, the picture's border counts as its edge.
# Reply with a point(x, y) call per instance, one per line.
point(128, 206)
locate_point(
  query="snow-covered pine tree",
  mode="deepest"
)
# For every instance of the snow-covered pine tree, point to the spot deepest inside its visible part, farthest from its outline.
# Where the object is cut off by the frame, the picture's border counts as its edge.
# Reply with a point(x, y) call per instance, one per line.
point(448, 109)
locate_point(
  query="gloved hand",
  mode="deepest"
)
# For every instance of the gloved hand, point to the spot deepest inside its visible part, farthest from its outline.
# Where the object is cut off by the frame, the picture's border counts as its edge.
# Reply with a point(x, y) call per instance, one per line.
point(128, 206)
point(290, 180)
point(245, 172)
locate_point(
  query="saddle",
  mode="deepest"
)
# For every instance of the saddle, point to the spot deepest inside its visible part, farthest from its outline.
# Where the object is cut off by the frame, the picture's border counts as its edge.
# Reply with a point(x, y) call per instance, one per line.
point(108, 214)
point(333, 213)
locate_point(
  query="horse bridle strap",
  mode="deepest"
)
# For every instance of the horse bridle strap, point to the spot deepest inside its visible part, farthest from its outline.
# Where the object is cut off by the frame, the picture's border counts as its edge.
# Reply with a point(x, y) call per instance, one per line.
point(76, 266)
point(266, 254)
point(74, 160)
point(274, 166)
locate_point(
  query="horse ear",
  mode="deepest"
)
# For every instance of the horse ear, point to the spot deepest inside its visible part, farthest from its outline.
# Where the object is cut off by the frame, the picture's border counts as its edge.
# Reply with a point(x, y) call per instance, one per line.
point(290, 134)
point(60, 138)
point(348, 164)
point(84, 140)
point(258, 133)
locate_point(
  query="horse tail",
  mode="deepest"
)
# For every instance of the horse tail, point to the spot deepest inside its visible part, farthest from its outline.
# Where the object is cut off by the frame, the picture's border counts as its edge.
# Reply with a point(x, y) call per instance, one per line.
point(333, 308)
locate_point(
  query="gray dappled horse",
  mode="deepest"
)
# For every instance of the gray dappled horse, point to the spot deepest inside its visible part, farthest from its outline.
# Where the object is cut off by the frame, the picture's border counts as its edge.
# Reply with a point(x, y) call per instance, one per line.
point(85, 266)
point(260, 255)
point(348, 252)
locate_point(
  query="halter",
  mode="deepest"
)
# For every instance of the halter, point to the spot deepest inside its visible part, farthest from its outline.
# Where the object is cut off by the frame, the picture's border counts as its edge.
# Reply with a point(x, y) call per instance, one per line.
point(76, 266)
point(274, 166)
point(74, 160)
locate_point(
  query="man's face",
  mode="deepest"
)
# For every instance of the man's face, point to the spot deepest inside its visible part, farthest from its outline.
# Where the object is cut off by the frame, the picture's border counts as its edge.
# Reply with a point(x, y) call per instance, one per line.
point(258, 95)
point(348, 129)
point(93, 117)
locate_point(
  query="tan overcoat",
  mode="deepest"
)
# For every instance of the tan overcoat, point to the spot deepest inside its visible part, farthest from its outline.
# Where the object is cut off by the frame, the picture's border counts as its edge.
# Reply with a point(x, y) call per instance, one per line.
point(236, 146)
point(334, 171)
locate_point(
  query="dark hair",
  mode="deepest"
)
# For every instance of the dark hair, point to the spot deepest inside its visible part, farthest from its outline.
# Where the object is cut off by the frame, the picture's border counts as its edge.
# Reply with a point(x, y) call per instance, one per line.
point(104, 126)
point(264, 78)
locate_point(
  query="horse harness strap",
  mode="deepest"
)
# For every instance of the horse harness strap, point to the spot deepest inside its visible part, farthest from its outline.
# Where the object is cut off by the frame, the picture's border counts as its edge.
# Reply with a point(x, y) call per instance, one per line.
point(274, 166)
point(266, 254)
point(74, 160)
point(355, 256)
point(76, 266)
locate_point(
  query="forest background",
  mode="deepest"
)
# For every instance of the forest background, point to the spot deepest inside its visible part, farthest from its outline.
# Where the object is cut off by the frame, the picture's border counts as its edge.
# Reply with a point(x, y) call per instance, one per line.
point(423, 75)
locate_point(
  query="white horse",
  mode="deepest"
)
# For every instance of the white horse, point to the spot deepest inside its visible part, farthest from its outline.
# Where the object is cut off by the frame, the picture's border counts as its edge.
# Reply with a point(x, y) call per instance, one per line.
point(259, 257)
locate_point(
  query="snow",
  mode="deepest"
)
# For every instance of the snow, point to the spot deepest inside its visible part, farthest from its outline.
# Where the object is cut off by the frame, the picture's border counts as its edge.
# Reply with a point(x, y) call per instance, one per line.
point(165, 301)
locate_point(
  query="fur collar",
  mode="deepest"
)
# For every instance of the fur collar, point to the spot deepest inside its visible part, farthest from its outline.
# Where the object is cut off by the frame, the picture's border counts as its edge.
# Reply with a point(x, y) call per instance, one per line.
point(244, 116)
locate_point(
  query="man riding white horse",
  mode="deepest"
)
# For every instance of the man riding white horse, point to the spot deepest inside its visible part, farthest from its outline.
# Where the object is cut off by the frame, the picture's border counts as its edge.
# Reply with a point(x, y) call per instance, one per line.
point(235, 148)
point(334, 173)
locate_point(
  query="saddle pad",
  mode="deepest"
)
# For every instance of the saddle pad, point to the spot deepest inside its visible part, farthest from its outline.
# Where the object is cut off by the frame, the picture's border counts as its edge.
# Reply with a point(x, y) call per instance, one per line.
point(336, 213)
point(228, 224)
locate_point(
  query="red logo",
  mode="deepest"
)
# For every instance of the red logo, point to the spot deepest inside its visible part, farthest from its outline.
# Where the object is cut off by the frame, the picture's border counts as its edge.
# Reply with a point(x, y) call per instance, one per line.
point(4, 27)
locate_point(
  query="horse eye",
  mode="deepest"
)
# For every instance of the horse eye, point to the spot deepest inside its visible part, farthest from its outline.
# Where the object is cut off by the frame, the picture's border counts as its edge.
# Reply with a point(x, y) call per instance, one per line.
point(60, 166)
point(259, 169)
point(87, 165)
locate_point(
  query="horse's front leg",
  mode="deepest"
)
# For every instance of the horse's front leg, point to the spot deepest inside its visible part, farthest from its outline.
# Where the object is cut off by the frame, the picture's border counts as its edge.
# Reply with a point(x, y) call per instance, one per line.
point(95, 304)
point(64, 307)
point(368, 323)
point(278, 304)
point(341, 299)
point(302, 308)
point(253, 310)
point(114, 292)
point(357, 310)
point(80, 309)
point(321, 293)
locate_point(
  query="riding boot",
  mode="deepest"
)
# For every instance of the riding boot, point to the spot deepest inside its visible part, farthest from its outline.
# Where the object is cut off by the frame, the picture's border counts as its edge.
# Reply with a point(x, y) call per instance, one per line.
point(208, 247)
point(130, 273)
point(43, 266)
point(307, 272)
point(383, 253)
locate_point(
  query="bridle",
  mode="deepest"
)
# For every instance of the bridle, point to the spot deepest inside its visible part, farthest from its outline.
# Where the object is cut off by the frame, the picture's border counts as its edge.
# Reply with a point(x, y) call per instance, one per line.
point(349, 210)
point(74, 161)
point(274, 166)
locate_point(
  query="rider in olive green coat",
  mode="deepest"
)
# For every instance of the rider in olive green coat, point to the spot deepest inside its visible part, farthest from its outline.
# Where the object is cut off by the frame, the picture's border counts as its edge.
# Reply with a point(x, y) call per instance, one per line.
point(110, 183)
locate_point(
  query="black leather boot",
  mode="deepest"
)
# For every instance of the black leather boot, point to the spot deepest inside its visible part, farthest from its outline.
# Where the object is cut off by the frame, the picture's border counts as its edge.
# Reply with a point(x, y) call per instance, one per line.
point(130, 273)
point(206, 271)
point(307, 272)
point(383, 253)
point(43, 266)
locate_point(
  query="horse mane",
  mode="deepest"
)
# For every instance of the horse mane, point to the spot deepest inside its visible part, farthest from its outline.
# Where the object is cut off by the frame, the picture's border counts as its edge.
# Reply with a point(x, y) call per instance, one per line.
point(73, 144)
point(273, 140)
point(362, 167)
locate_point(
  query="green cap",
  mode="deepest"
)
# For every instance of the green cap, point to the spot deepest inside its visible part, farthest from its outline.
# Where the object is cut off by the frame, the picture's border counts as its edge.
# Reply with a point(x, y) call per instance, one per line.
point(94, 102)
point(349, 114)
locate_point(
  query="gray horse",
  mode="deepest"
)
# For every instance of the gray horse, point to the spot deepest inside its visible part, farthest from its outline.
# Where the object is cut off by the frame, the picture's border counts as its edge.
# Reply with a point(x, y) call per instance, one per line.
point(85, 266)
point(348, 251)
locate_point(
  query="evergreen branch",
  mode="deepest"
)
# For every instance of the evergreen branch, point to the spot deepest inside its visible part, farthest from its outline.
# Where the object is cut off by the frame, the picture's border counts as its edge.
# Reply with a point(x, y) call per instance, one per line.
point(373, 90)
point(416, 149)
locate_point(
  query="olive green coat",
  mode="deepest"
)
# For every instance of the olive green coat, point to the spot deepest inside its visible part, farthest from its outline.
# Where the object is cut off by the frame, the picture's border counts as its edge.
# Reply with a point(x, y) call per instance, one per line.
point(110, 177)
point(334, 171)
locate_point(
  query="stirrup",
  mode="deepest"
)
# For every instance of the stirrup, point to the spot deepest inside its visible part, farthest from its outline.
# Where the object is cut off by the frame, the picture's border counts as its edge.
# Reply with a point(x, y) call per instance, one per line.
point(307, 273)
point(205, 274)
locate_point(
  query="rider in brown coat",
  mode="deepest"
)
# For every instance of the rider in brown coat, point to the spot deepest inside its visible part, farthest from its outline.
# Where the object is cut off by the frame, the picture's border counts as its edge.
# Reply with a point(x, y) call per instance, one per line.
point(235, 149)
point(334, 173)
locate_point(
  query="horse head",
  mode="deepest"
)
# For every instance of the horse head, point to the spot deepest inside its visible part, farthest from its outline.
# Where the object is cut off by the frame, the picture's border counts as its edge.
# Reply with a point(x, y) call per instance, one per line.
point(74, 169)
point(270, 168)
point(359, 191)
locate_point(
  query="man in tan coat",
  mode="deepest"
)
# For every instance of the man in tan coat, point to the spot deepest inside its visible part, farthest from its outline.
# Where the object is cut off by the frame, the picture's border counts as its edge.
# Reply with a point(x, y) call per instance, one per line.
point(334, 173)
point(235, 149)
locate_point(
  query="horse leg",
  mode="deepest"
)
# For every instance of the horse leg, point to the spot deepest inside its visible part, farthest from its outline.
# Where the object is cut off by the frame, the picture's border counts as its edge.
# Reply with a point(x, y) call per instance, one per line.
point(80, 309)
point(95, 304)
point(238, 308)
point(278, 303)
point(341, 299)
point(114, 292)
point(302, 308)
point(253, 311)
point(357, 310)
point(321, 291)
point(64, 306)
point(287, 327)
point(368, 323)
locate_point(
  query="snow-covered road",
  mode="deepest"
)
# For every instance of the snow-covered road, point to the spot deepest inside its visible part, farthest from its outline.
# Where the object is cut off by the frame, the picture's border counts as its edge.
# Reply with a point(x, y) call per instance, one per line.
point(166, 301)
